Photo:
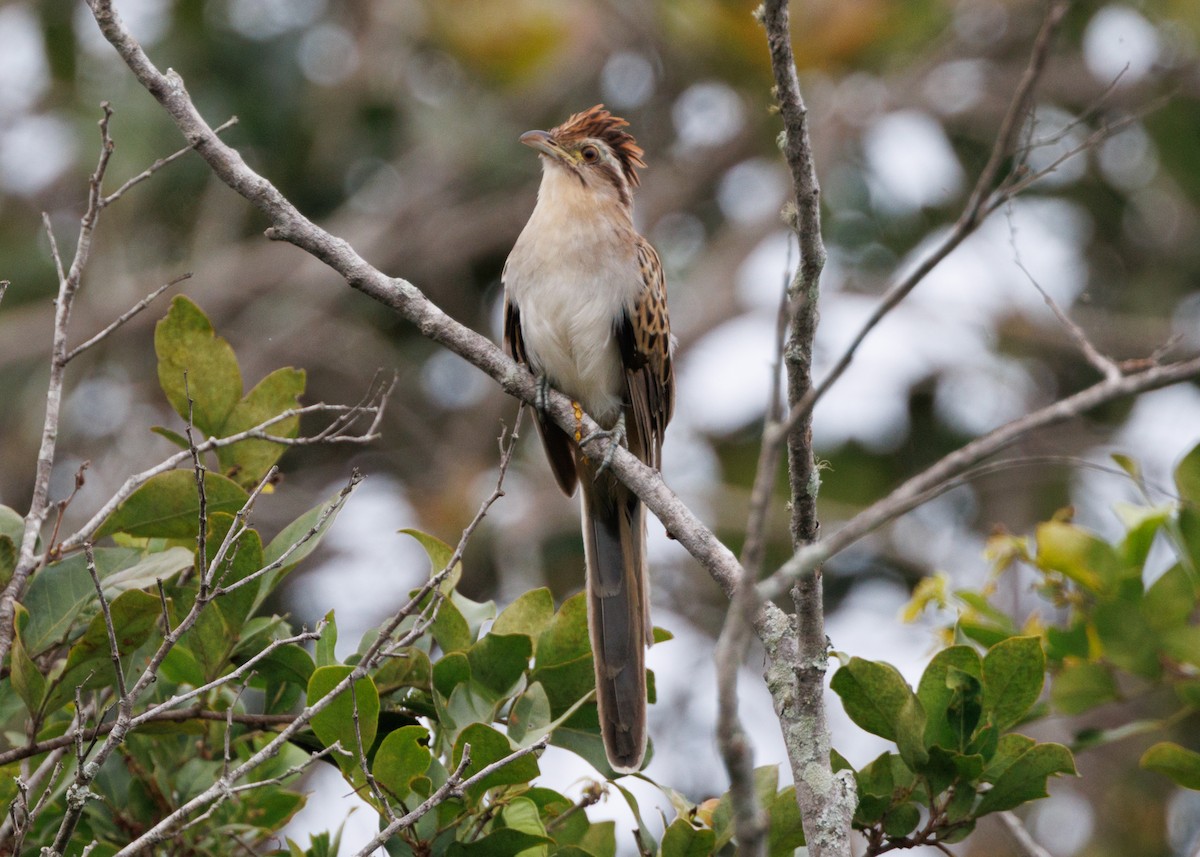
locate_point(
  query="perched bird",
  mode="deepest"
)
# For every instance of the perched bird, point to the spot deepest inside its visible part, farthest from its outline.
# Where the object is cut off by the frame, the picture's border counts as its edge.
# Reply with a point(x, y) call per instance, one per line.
point(586, 311)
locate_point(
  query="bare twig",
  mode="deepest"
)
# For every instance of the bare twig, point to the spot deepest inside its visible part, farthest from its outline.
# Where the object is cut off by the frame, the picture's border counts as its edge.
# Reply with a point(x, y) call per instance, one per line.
point(1023, 837)
point(1104, 365)
point(980, 203)
point(54, 254)
point(124, 317)
point(257, 432)
point(68, 286)
point(4, 284)
point(158, 165)
point(114, 649)
point(454, 786)
point(156, 715)
point(908, 495)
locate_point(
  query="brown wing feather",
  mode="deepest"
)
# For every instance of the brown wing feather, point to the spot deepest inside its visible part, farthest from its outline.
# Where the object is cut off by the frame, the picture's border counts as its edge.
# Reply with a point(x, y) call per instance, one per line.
point(554, 440)
point(644, 336)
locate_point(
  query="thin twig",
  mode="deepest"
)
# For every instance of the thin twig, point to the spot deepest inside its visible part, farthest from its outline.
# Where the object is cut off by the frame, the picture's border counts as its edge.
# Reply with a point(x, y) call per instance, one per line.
point(907, 496)
point(1023, 837)
point(124, 317)
point(27, 559)
point(454, 786)
point(1106, 366)
point(978, 206)
point(54, 254)
point(158, 165)
point(156, 715)
point(114, 649)
point(256, 432)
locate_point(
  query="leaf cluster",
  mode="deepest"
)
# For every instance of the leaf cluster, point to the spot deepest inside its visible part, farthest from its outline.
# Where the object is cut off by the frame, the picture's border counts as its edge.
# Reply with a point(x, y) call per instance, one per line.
point(185, 576)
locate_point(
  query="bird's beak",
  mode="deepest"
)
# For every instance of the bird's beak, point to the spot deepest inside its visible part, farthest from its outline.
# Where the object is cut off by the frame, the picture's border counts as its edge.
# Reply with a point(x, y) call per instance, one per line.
point(543, 142)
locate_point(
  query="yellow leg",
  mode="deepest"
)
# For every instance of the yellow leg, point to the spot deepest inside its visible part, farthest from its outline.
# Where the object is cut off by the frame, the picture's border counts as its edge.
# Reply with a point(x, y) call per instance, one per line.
point(578, 423)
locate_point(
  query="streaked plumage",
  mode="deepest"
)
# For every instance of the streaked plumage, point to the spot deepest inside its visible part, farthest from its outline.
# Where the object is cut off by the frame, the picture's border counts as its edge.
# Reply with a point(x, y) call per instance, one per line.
point(586, 306)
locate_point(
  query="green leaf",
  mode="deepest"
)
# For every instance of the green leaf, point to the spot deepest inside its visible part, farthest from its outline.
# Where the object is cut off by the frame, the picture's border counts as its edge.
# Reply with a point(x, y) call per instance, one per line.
point(409, 667)
point(450, 628)
point(528, 615)
point(335, 722)
point(8, 559)
point(1128, 640)
point(1187, 476)
point(786, 831)
point(168, 506)
point(1067, 643)
point(440, 555)
point(135, 614)
point(901, 820)
point(1081, 686)
point(27, 680)
point(246, 557)
point(488, 746)
point(1183, 644)
point(1170, 600)
point(146, 572)
point(248, 461)
point(11, 524)
point(62, 590)
point(564, 656)
point(327, 642)
point(1080, 556)
point(504, 842)
point(185, 343)
point(950, 699)
point(910, 733)
point(530, 714)
point(680, 839)
point(1141, 526)
point(1025, 779)
point(1013, 674)
point(874, 695)
point(1178, 763)
point(173, 436)
point(402, 757)
point(1008, 749)
point(499, 660)
point(308, 527)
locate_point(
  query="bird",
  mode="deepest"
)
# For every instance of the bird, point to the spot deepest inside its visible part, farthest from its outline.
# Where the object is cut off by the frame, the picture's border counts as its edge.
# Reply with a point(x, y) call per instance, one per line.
point(586, 311)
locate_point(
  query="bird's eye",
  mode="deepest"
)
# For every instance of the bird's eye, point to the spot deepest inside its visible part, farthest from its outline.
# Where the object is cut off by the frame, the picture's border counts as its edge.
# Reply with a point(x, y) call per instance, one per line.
point(590, 154)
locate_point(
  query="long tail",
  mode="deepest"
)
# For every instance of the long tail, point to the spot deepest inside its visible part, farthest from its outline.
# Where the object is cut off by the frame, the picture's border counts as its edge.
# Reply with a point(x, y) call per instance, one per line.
point(614, 537)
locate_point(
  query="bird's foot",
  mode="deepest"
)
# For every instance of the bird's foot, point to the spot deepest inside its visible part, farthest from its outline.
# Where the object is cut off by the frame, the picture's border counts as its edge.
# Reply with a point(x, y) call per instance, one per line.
point(542, 400)
point(616, 436)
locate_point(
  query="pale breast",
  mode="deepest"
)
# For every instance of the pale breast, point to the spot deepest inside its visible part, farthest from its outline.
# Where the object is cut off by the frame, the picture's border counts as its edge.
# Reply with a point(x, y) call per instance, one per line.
point(572, 281)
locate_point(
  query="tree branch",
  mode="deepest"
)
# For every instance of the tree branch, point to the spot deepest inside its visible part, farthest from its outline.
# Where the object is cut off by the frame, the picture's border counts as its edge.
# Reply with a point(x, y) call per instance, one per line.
point(796, 678)
point(68, 287)
point(914, 491)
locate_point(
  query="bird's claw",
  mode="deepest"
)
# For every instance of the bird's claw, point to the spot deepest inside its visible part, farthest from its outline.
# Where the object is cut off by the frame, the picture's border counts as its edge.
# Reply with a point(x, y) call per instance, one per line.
point(616, 436)
point(542, 399)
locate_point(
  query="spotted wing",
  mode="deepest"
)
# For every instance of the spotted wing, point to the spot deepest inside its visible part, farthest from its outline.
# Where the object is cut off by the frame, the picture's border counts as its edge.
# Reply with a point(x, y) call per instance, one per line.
point(644, 337)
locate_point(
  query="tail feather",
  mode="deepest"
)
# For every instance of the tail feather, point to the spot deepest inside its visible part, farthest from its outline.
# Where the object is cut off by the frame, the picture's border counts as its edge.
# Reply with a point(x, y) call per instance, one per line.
point(618, 613)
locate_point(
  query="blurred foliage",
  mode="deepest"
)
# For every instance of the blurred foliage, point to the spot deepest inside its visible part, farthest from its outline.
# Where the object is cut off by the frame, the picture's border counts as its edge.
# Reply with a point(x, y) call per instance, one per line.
point(396, 123)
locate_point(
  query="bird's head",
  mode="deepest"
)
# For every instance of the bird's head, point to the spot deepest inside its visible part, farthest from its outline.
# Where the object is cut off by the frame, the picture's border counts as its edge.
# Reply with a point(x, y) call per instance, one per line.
point(594, 147)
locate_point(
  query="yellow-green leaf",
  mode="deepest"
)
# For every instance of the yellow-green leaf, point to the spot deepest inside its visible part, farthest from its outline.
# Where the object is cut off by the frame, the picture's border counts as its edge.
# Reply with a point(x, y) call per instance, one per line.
point(185, 342)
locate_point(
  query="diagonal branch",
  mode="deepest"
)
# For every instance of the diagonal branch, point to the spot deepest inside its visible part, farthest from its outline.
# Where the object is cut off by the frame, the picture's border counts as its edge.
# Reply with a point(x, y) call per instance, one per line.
point(915, 490)
point(288, 224)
